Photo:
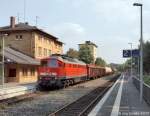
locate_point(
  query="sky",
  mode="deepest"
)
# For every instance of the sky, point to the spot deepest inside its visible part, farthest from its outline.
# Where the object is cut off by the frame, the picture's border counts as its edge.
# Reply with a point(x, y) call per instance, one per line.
point(110, 24)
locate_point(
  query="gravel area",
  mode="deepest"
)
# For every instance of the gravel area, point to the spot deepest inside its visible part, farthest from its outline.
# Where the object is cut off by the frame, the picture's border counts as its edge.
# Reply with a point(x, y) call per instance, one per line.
point(45, 104)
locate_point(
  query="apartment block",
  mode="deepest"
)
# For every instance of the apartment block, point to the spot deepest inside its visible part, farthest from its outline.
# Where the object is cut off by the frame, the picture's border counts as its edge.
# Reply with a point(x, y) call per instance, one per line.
point(92, 47)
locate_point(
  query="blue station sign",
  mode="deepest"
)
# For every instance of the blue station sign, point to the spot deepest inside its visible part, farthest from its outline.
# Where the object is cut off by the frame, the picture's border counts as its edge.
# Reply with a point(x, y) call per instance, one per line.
point(127, 53)
point(135, 53)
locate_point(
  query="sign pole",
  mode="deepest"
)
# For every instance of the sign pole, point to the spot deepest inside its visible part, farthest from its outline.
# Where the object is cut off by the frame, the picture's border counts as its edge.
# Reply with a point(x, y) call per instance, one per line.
point(131, 59)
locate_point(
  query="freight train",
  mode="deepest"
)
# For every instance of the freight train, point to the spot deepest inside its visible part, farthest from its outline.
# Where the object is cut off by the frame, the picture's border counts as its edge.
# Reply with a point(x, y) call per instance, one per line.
point(61, 71)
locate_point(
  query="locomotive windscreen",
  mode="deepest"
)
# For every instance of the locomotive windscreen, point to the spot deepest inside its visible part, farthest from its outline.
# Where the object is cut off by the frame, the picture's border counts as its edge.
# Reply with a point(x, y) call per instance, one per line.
point(53, 63)
point(44, 63)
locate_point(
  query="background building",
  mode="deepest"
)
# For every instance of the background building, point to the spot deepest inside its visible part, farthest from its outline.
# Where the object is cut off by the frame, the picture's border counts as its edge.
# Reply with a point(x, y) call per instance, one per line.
point(92, 47)
point(31, 40)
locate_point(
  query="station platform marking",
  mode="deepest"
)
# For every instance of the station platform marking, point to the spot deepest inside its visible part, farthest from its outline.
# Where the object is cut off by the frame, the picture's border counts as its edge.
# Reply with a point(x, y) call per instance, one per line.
point(116, 106)
point(95, 111)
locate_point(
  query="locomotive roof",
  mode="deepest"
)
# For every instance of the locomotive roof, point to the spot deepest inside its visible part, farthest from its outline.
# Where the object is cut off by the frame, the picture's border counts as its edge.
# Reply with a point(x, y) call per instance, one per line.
point(68, 60)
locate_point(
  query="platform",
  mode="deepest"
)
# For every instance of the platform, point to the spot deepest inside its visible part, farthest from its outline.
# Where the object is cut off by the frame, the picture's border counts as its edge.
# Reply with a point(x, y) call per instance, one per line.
point(123, 99)
point(14, 89)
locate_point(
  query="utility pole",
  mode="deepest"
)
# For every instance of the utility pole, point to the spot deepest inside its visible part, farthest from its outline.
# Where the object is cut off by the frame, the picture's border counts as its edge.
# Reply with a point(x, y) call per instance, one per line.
point(24, 11)
point(18, 17)
point(36, 23)
point(3, 58)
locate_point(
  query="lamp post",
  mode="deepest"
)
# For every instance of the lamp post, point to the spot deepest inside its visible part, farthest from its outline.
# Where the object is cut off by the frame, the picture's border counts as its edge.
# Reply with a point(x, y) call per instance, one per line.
point(141, 50)
point(131, 59)
point(3, 58)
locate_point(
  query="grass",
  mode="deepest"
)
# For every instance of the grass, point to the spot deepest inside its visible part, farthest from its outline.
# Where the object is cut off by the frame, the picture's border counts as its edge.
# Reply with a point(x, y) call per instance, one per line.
point(147, 79)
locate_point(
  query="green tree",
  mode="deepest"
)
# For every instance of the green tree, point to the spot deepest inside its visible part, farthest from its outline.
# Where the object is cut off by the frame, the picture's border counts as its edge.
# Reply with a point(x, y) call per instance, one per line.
point(85, 55)
point(120, 67)
point(124, 66)
point(146, 57)
point(100, 62)
point(72, 53)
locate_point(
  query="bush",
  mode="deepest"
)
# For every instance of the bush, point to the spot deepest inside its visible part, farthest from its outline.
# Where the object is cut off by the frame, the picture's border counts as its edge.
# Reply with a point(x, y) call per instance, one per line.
point(147, 79)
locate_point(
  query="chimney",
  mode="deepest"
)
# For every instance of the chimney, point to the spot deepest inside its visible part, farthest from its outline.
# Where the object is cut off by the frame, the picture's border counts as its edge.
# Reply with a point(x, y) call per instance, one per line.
point(12, 22)
point(26, 23)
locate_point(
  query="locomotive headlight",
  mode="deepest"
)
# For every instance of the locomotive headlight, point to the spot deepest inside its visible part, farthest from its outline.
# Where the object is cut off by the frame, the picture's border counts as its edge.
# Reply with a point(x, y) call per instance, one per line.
point(43, 74)
point(53, 74)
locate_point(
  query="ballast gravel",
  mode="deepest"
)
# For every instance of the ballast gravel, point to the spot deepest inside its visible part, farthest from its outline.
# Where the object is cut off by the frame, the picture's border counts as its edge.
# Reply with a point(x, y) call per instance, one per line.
point(42, 105)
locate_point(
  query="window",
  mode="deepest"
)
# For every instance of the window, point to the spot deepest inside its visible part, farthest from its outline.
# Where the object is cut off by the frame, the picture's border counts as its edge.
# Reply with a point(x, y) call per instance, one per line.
point(40, 51)
point(24, 71)
point(44, 63)
point(49, 41)
point(56, 46)
point(70, 65)
point(12, 73)
point(19, 37)
point(61, 64)
point(49, 52)
point(32, 71)
point(45, 52)
point(53, 63)
point(40, 38)
point(45, 40)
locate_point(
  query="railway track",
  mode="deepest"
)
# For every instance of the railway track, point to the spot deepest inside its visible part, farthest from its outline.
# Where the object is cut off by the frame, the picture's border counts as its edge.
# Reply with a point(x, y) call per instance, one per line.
point(84, 105)
point(20, 98)
point(17, 99)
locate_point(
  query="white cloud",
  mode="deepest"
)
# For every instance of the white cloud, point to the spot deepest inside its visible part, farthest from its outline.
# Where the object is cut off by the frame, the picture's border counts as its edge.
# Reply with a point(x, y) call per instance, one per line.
point(69, 28)
point(118, 24)
point(70, 33)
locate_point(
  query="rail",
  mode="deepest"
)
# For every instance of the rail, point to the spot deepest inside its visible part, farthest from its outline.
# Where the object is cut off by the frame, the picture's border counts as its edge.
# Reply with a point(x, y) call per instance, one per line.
point(84, 105)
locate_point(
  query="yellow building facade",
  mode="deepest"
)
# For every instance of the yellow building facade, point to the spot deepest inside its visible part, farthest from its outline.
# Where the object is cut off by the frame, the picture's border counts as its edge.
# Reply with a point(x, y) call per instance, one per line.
point(33, 44)
point(19, 73)
point(31, 40)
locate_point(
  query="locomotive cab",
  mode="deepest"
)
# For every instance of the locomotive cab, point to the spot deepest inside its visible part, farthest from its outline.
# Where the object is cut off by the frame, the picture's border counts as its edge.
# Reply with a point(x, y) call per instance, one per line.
point(50, 72)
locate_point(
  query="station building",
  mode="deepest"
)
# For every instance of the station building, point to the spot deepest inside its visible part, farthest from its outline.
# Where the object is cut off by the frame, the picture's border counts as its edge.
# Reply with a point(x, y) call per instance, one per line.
point(19, 67)
point(31, 40)
point(25, 45)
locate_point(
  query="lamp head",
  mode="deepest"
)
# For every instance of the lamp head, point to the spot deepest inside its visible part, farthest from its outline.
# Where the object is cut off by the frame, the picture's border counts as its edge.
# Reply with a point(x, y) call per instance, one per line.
point(137, 4)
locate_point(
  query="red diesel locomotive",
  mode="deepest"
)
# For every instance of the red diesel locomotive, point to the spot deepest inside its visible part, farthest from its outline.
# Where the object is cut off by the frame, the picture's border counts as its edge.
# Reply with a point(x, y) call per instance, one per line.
point(59, 71)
